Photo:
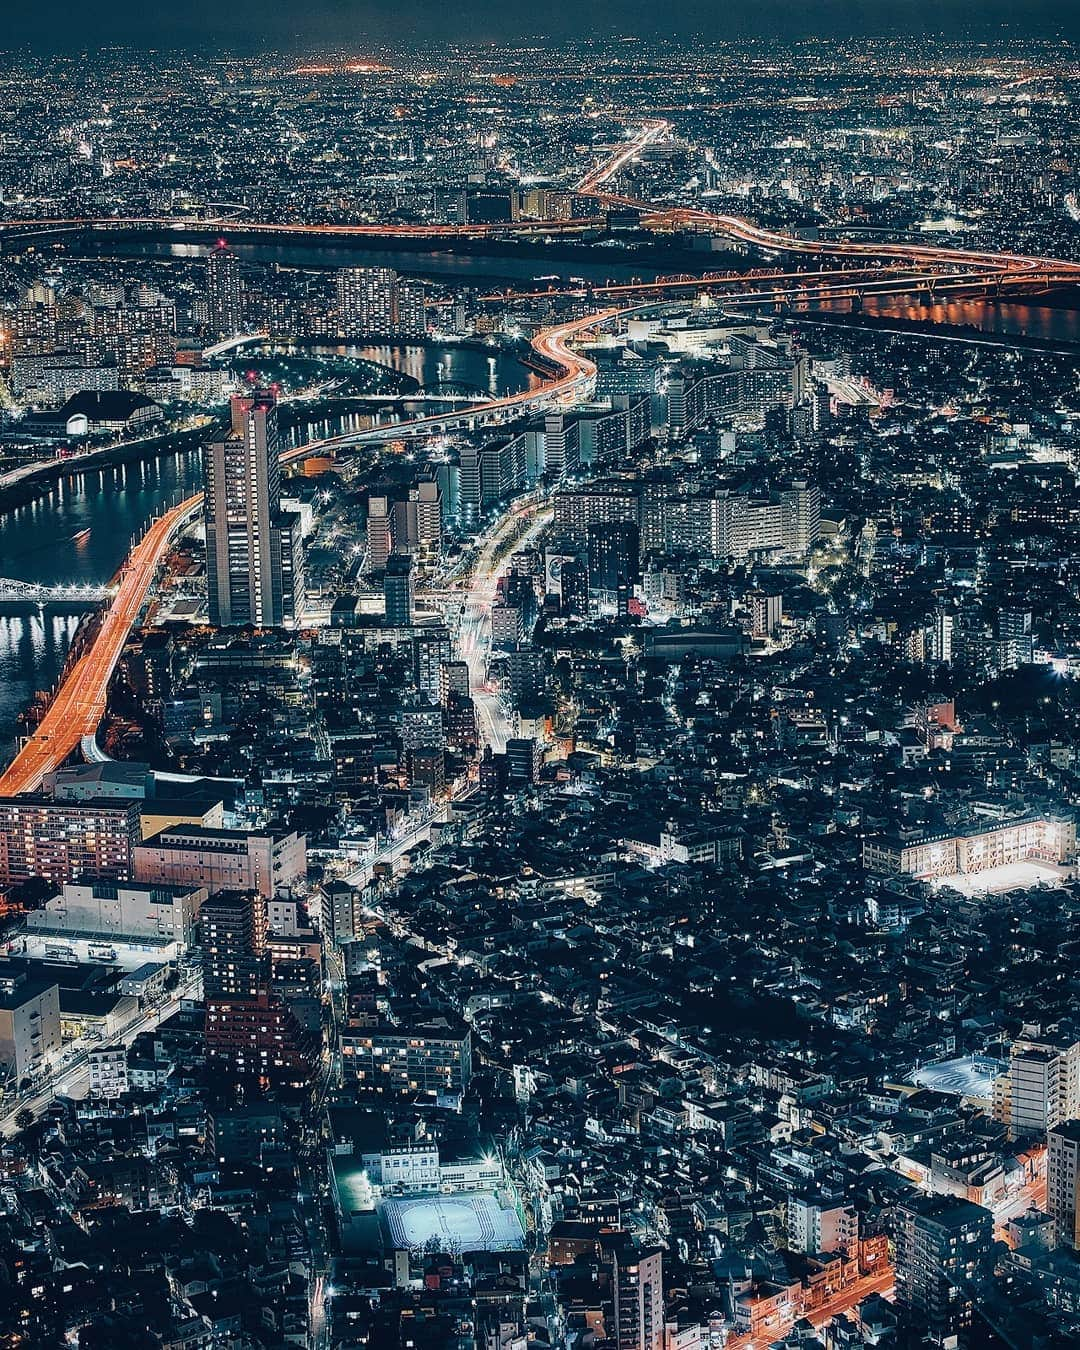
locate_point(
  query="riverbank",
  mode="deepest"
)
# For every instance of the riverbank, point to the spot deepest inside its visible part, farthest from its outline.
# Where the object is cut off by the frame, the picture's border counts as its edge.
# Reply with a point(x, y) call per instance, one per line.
point(933, 331)
point(608, 258)
point(31, 482)
point(39, 479)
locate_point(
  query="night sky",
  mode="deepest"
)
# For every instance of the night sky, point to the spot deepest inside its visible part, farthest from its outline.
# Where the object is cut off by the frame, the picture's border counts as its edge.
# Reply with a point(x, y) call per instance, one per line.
point(262, 24)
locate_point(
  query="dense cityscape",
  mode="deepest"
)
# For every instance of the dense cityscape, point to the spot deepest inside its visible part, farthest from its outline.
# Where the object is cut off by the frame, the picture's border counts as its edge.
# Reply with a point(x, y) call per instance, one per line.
point(539, 725)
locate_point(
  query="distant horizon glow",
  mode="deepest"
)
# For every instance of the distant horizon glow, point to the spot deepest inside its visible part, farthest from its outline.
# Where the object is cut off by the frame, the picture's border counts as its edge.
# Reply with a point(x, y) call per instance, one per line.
point(64, 26)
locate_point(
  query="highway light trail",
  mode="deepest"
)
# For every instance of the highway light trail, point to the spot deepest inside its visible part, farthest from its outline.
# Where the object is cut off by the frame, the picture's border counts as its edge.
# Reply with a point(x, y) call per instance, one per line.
point(79, 704)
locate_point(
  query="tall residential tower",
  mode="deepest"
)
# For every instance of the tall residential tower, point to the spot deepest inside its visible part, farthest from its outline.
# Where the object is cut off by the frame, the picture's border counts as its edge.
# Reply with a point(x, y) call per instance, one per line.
point(254, 553)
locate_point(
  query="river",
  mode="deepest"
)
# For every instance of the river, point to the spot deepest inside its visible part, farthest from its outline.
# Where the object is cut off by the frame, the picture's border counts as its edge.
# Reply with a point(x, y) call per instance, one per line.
point(1001, 318)
point(516, 265)
point(82, 528)
point(47, 540)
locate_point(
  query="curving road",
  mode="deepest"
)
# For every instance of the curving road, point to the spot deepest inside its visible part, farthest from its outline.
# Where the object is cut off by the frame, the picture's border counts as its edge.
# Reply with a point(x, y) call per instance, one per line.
point(79, 704)
point(518, 527)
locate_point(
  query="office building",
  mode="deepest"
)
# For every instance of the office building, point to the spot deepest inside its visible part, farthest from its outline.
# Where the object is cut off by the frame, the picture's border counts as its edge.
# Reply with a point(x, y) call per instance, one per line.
point(254, 550)
point(223, 860)
point(944, 1246)
point(62, 841)
point(524, 758)
point(613, 560)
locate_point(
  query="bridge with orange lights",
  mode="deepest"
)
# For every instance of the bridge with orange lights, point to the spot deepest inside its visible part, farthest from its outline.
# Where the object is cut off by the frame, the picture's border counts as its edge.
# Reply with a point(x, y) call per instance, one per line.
point(79, 704)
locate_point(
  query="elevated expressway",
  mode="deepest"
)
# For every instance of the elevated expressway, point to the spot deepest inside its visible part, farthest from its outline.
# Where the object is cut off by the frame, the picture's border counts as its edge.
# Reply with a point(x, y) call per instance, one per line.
point(253, 230)
point(79, 704)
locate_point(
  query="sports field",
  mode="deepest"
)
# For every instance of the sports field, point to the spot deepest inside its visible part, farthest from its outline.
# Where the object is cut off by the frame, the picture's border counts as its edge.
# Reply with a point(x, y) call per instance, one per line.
point(458, 1223)
point(968, 1077)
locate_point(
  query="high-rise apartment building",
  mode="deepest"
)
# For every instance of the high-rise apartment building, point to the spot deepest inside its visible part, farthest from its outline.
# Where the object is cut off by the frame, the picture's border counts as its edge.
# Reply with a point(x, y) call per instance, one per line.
point(561, 446)
point(943, 1247)
point(252, 1036)
point(788, 521)
point(232, 926)
point(254, 550)
point(432, 651)
point(817, 1224)
point(63, 841)
point(1041, 1087)
point(578, 508)
point(411, 309)
point(380, 532)
point(425, 501)
point(637, 1285)
point(366, 301)
point(426, 1059)
point(1063, 1180)
point(224, 292)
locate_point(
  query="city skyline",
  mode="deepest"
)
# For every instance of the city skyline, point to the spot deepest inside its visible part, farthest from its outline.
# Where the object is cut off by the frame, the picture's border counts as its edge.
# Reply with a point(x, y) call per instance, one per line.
point(540, 671)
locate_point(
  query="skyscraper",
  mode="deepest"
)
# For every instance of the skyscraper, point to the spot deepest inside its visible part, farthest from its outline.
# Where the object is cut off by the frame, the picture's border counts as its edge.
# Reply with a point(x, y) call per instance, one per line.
point(225, 300)
point(254, 554)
